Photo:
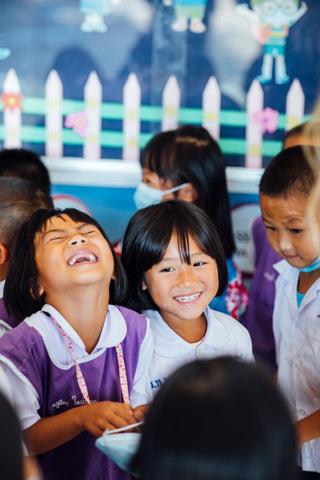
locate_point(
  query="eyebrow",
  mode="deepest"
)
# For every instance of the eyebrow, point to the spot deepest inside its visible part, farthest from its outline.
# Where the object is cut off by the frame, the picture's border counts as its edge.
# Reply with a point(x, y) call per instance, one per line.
point(60, 230)
point(171, 259)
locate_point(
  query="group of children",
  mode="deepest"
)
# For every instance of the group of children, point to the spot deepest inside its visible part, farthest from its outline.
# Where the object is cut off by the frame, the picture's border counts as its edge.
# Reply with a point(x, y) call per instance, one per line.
point(95, 336)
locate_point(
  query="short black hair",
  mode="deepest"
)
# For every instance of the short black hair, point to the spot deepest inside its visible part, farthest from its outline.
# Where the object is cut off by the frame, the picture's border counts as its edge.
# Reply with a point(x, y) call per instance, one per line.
point(21, 294)
point(288, 173)
point(217, 419)
point(148, 235)
point(23, 163)
point(189, 154)
point(19, 198)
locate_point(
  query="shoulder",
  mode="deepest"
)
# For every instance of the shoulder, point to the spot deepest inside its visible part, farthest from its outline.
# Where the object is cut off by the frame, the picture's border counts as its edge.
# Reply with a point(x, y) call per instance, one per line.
point(225, 323)
point(22, 344)
point(133, 320)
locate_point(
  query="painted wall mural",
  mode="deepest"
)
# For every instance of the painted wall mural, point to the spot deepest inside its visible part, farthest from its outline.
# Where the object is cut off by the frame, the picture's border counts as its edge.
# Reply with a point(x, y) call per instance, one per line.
point(96, 78)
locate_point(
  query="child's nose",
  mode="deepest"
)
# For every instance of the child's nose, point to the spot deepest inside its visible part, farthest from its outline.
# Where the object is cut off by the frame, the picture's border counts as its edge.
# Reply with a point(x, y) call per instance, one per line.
point(284, 242)
point(187, 277)
point(77, 239)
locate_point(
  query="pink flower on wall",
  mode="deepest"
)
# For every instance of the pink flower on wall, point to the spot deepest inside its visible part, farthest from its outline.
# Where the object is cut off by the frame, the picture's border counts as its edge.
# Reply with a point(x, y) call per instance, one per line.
point(267, 119)
point(78, 122)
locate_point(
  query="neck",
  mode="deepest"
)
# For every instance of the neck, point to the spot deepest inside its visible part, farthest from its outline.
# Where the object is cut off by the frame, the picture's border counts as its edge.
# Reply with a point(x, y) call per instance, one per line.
point(189, 330)
point(307, 279)
point(85, 310)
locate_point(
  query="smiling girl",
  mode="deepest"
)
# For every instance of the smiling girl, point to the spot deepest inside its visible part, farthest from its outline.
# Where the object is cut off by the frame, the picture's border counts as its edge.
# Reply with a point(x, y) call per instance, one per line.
point(76, 366)
point(175, 266)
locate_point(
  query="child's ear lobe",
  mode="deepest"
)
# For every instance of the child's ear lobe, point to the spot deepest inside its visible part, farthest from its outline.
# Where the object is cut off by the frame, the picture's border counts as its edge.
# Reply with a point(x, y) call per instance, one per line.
point(4, 254)
point(39, 288)
point(144, 286)
point(188, 193)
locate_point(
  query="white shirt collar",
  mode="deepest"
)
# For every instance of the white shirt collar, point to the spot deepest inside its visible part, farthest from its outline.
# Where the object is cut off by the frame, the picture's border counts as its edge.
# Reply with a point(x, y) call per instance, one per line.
point(168, 343)
point(113, 332)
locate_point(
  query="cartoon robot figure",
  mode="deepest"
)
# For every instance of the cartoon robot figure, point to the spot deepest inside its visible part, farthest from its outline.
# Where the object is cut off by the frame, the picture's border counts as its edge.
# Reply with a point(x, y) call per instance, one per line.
point(94, 12)
point(273, 19)
point(188, 13)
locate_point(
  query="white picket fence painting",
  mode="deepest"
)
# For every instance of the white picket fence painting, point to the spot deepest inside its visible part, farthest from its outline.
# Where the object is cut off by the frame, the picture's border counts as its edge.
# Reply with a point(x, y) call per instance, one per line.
point(211, 106)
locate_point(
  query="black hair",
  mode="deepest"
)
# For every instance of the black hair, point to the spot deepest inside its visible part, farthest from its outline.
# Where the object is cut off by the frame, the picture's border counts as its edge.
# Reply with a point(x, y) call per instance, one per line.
point(19, 198)
point(23, 163)
point(190, 155)
point(288, 173)
point(148, 235)
point(217, 419)
point(21, 294)
point(11, 453)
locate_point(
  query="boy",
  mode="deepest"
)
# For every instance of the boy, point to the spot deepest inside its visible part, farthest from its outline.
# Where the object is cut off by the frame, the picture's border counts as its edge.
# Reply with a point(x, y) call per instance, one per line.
point(258, 317)
point(19, 198)
point(284, 192)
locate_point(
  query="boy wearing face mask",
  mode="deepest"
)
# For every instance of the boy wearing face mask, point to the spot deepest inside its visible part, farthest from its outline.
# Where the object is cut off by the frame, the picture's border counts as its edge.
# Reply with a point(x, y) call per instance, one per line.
point(285, 189)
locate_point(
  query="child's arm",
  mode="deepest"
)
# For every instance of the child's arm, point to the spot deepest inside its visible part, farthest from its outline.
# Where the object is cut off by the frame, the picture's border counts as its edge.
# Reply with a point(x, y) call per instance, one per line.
point(308, 428)
point(48, 433)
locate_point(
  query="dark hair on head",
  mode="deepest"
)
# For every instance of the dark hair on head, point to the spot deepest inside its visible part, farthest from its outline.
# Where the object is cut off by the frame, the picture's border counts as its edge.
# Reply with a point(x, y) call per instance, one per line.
point(11, 453)
point(217, 419)
point(19, 198)
point(288, 173)
point(21, 295)
point(190, 155)
point(148, 235)
point(22, 163)
point(297, 130)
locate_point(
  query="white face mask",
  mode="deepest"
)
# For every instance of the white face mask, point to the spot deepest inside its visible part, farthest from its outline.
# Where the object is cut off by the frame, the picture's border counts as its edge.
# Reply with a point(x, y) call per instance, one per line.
point(144, 196)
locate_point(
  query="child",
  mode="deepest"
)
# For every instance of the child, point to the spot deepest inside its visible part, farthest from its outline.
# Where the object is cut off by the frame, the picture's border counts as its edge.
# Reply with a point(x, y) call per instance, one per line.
point(19, 198)
point(239, 429)
point(258, 316)
point(188, 164)
point(59, 367)
point(175, 266)
point(22, 163)
point(284, 194)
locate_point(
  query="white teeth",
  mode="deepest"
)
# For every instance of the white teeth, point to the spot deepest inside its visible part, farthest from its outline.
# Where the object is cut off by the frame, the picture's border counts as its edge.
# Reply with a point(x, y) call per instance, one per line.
point(188, 298)
point(82, 258)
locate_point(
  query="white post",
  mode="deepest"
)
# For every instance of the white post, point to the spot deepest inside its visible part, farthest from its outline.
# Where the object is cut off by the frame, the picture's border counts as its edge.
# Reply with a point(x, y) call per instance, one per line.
point(294, 105)
point(211, 105)
point(253, 130)
point(131, 118)
point(92, 99)
point(170, 104)
point(11, 97)
point(54, 94)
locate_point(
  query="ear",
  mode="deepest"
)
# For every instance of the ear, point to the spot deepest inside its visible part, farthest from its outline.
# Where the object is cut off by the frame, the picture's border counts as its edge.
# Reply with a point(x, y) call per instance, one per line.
point(4, 254)
point(41, 290)
point(144, 286)
point(188, 194)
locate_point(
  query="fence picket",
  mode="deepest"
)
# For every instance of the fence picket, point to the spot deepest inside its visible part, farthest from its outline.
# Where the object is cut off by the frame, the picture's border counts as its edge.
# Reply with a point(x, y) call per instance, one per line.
point(131, 118)
point(211, 105)
point(253, 130)
point(294, 105)
point(53, 120)
point(92, 99)
point(11, 97)
point(171, 104)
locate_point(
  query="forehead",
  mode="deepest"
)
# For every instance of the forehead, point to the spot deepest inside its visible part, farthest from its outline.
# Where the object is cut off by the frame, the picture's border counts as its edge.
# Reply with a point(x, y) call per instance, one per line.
point(291, 206)
point(62, 222)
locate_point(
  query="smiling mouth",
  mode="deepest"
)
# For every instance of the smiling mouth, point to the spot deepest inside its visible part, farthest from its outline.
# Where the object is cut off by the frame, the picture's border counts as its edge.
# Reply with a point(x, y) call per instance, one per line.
point(82, 258)
point(188, 298)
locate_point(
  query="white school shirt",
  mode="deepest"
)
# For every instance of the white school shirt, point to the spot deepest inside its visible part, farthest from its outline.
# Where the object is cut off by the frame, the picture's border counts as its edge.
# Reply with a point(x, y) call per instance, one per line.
point(224, 336)
point(297, 338)
point(20, 391)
